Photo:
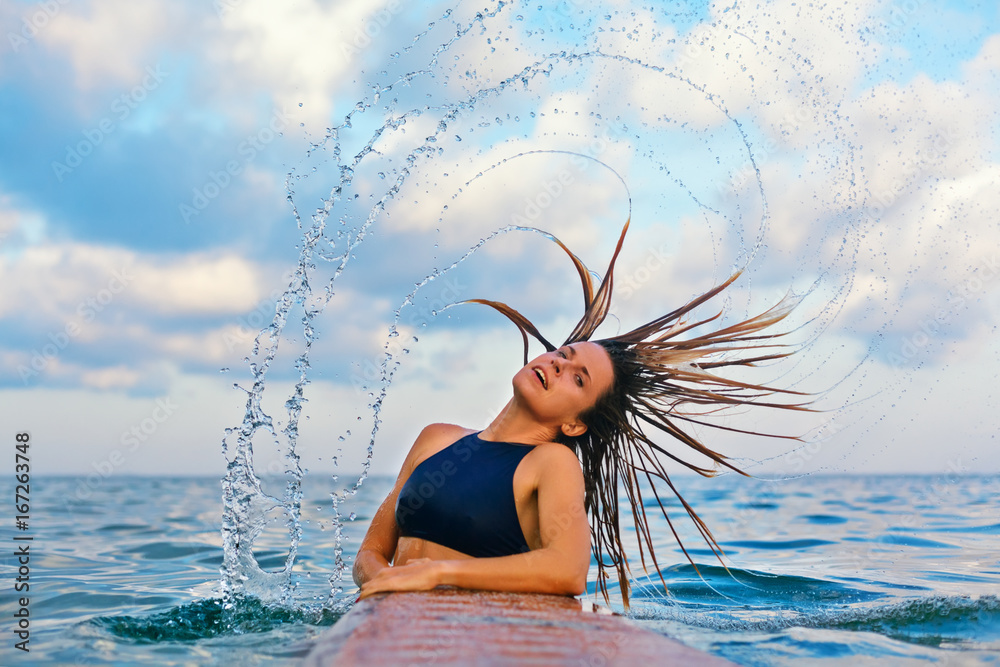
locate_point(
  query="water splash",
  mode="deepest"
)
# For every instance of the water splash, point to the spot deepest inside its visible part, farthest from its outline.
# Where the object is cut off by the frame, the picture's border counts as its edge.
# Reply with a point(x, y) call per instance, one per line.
point(205, 619)
point(403, 141)
point(246, 505)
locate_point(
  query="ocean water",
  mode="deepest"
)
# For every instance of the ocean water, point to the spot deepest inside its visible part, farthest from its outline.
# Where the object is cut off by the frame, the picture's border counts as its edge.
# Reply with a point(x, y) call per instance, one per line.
point(821, 569)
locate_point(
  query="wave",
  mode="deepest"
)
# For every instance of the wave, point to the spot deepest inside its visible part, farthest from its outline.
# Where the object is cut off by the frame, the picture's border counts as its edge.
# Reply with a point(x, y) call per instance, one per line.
point(735, 587)
point(209, 618)
point(934, 621)
point(784, 602)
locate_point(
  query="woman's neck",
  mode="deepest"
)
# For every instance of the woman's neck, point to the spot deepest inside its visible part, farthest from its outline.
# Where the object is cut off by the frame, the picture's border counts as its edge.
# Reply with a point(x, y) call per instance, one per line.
point(515, 424)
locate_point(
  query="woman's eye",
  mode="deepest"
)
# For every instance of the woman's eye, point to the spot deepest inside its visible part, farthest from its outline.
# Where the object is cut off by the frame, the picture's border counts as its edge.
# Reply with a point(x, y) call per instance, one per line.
point(579, 381)
point(561, 353)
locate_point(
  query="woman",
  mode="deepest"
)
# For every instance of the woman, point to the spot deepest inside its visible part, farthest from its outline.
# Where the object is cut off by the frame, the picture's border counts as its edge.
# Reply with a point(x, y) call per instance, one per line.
point(520, 506)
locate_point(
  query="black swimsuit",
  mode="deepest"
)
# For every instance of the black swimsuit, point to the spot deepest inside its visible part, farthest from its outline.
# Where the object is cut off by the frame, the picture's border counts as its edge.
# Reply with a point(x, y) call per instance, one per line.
point(463, 498)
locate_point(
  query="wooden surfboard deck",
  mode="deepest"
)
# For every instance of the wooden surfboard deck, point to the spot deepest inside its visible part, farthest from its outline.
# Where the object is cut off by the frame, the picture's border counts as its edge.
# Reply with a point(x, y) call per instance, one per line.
point(449, 626)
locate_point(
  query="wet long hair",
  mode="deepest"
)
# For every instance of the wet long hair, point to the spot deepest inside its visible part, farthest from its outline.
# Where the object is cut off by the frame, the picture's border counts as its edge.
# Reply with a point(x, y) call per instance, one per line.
point(663, 383)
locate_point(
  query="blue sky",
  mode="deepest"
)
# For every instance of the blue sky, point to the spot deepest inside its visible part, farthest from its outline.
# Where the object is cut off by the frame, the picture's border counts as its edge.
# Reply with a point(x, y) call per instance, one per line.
point(145, 232)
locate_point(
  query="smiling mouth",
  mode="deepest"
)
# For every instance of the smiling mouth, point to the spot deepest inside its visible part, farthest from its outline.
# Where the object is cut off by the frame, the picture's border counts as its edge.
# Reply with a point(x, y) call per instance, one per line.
point(541, 377)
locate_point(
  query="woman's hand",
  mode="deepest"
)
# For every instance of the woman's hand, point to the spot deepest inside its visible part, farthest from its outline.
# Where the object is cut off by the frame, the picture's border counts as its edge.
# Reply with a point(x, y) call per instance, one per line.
point(419, 574)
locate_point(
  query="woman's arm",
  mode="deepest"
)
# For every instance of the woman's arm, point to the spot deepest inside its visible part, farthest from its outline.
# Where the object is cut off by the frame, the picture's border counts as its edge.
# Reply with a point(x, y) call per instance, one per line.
point(379, 545)
point(560, 566)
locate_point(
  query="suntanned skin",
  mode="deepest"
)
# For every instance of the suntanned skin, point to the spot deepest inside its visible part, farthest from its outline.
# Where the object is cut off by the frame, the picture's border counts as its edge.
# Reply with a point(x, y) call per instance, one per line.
point(549, 395)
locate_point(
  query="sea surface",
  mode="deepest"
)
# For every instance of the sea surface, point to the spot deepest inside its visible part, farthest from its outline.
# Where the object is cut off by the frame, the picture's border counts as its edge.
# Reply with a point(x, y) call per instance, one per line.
point(821, 570)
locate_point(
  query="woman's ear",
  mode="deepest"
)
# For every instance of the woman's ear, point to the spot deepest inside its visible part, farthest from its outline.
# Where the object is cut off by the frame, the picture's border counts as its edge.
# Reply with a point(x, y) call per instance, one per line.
point(574, 429)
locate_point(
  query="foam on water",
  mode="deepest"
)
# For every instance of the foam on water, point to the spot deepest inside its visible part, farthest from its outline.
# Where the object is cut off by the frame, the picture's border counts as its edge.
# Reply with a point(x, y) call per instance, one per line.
point(211, 618)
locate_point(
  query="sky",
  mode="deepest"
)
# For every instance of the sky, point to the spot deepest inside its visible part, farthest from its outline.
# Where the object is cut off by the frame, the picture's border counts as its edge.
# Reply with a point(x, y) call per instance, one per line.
point(162, 163)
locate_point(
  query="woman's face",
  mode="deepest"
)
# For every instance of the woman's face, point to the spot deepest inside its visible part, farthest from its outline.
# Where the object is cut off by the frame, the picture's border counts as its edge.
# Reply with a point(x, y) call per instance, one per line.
point(558, 386)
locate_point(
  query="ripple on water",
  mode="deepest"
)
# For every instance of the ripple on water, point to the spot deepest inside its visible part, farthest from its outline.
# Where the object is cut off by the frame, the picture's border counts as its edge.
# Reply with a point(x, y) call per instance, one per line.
point(88, 600)
point(990, 529)
point(170, 550)
point(939, 575)
point(823, 519)
point(758, 506)
point(782, 545)
point(912, 541)
point(126, 527)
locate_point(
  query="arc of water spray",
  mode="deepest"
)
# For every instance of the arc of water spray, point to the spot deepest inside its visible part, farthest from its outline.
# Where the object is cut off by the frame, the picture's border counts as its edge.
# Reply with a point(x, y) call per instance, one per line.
point(242, 485)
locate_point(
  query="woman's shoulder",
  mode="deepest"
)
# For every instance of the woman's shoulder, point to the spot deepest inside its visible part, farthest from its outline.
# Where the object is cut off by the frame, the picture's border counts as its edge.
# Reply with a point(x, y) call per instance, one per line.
point(445, 429)
point(555, 458)
point(437, 433)
point(435, 437)
point(554, 466)
point(432, 439)
point(556, 451)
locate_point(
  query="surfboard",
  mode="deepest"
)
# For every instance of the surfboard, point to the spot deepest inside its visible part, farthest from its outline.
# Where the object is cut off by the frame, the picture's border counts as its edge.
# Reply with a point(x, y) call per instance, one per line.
point(450, 626)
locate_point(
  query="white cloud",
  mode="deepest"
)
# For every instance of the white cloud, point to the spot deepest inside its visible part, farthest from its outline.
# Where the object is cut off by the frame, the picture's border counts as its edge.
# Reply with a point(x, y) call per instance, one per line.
point(115, 377)
point(985, 66)
point(9, 217)
point(197, 284)
point(110, 41)
point(62, 281)
point(305, 52)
